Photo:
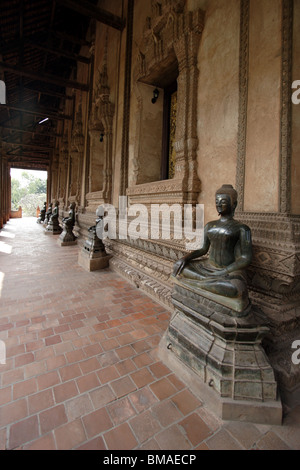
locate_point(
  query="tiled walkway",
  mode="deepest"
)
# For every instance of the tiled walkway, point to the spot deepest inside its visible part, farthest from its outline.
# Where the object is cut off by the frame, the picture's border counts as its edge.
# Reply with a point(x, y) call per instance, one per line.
point(82, 370)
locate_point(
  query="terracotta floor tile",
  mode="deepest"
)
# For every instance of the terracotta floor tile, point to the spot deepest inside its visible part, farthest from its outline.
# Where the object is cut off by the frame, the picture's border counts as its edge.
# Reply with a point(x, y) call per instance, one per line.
point(142, 360)
point(102, 396)
point(23, 431)
point(172, 438)
point(123, 386)
point(75, 356)
point(125, 352)
point(48, 380)
point(70, 372)
point(78, 406)
point(22, 389)
point(121, 410)
point(163, 389)
point(143, 399)
point(6, 394)
point(13, 412)
point(125, 367)
point(159, 370)
point(93, 444)
point(222, 440)
point(87, 382)
point(120, 438)
point(186, 401)
point(43, 443)
point(166, 413)
point(52, 418)
point(107, 374)
point(70, 435)
point(196, 429)
point(65, 391)
point(145, 426)
point(82, 367)
point(142, 377)
point(272, 442)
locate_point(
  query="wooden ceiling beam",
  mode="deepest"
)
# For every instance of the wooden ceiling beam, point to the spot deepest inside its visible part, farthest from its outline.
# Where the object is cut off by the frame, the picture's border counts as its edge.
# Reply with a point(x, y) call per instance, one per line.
point(92, 11)
point(59, 52)
point(55, 94)
point(15, 46)
point(38, 112)
point(69, 38)
point(26, 131)
point(43, 77)
point(47, 148)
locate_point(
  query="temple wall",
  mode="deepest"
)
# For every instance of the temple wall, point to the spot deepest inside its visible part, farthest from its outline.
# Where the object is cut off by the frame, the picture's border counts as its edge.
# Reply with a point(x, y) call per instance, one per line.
point(295, 192)
point(263, 119)
point(218, 100)
point(234, 62)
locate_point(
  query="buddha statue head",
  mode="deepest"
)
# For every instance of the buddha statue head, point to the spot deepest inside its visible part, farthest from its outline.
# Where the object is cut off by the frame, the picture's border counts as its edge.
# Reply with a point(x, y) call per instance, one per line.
point(226, 200)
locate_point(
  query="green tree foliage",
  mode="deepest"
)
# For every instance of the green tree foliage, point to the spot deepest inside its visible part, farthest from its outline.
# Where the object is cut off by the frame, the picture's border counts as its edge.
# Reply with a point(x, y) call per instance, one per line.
point(29, 193)
point(35, 185)
point(17, 192)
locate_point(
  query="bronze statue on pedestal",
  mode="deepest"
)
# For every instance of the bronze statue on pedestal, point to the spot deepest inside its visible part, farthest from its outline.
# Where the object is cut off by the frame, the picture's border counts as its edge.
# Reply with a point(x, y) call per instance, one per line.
point(53, 224)
point(228, 242)
point(67, 236)
point(42, 214)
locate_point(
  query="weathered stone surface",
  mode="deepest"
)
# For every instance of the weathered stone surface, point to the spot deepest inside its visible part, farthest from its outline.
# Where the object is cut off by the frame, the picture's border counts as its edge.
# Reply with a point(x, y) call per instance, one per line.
point(224, 354)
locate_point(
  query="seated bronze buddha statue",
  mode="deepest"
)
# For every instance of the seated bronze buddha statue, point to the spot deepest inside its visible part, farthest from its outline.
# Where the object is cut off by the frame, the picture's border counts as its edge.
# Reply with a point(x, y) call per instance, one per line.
point(227, 242)
point(69, 221)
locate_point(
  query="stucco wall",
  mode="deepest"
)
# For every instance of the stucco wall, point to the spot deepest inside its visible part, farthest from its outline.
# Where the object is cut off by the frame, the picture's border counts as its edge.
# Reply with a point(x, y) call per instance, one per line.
point(296, 115)
point(218, 100)
point(263, 119)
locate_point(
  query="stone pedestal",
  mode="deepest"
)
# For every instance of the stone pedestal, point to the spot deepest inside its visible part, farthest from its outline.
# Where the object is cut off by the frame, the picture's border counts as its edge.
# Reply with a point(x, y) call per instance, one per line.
point(53, 227)
point(67, 237)
point(220, 353)
point(93, 263)
point(93, 256)
point(70, 243)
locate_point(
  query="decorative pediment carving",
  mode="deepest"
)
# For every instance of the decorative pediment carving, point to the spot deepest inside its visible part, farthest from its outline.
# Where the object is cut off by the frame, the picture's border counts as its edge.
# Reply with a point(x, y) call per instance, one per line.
point(168, 52)
point(168, 25)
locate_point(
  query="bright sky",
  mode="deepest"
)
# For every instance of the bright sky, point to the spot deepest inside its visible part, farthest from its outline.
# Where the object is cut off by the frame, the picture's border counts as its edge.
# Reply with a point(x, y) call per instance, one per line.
point(16, 173)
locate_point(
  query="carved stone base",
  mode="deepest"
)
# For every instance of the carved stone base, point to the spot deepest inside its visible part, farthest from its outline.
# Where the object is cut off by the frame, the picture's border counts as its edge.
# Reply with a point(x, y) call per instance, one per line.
point(224, 356)
point(67, 237)
point(93, 263)
point(53, 229)
point(70, 243)
point(225, 408)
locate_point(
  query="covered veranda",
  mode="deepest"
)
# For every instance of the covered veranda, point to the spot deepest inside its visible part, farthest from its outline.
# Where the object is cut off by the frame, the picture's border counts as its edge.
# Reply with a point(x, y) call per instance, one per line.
point(82, 370)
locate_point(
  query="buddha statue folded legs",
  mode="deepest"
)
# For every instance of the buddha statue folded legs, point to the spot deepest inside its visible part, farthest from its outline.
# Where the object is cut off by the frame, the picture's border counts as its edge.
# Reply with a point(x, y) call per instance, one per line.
point(227, 243)
point(214, 338)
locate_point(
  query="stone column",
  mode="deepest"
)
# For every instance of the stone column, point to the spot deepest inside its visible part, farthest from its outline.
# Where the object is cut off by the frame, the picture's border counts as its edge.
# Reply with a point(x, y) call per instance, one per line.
point(107, 114)
point(1, 187)
point(5, 191)
point(274, 275)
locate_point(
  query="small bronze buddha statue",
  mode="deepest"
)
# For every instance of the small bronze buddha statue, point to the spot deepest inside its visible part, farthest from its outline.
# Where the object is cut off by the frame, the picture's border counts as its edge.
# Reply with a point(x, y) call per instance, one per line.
point(67, 236)
point(53, 224)
point(48, 214)
point(42, 214)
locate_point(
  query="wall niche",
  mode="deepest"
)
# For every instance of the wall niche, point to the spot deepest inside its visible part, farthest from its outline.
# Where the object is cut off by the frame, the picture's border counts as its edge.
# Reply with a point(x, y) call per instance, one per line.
point(167, 53)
